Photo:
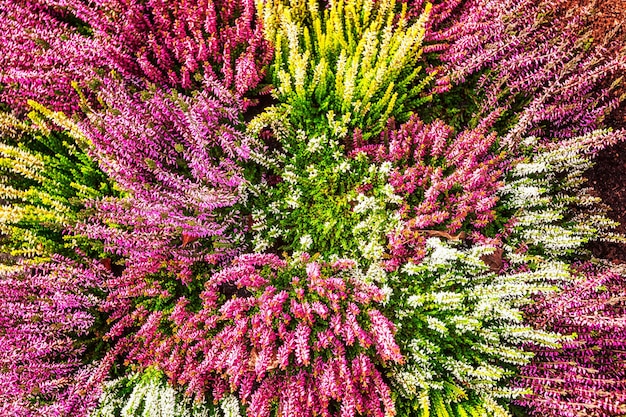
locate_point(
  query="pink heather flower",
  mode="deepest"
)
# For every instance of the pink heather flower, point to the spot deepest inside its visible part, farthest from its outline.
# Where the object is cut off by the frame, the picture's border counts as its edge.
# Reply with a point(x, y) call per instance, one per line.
point(46, 318)
point(172, 44)
point(586, 376)
point(532, 50)
point(464, 197)
point(264, 335)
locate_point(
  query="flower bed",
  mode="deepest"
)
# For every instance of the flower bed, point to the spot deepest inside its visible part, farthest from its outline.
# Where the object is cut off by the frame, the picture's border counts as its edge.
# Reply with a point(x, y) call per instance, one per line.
point(281, 208)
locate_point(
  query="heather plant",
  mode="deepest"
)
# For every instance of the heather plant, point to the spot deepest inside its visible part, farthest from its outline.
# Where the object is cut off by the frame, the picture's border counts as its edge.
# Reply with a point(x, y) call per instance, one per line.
point(461, 329)
point(446, 183)
point(47, 320)
point(179, 44)
point(553, 214)
point(533, 61)
point(73, 44)
point(586, 376)
point(41, 54)
point(434, 230)
point(47, 179)
point(294, 337)
point(176, 158)
point(352, 65)
point(326, 202)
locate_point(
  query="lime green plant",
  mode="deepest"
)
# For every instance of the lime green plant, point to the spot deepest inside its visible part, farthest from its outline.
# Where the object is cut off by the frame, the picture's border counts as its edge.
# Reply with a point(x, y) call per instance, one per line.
point(353, 65)
point(45, 178)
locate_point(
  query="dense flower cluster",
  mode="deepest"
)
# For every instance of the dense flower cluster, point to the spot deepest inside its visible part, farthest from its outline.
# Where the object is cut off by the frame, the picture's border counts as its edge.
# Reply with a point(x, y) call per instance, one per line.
point(70, 44)
point(301, 334)
point(301, 208)
point(587, 374)
point(46, 315)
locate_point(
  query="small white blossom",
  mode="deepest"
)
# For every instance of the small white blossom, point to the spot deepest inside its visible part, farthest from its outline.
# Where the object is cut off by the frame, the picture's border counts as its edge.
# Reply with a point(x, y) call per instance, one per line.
point(306, 242)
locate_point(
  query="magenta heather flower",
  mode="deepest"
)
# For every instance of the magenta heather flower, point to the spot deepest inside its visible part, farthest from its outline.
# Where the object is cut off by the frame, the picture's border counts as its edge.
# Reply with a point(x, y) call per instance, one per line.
point(176, 160)
point(301, 337)
point(448, 182)
point(530, 58)
point(48, 45)
point(45, 322)
point(587, 375)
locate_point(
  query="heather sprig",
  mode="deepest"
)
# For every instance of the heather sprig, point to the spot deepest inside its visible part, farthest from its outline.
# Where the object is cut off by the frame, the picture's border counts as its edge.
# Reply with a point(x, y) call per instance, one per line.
point(352, 65)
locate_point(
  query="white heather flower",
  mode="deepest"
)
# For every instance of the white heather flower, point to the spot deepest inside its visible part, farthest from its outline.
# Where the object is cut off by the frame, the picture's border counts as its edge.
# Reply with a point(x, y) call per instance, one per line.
point(312, 171)
point(364, 204)
point(385, 168)
point(274, 207)
point(371, 249)
point(387, 293)
point(416, 300)
point(230, 406)
point(289, 175)
point(343, 167)
point(375, 273)
point(524, 169)
point(437, 325)
point(530, 141)
point(293, 199)
point(258, 221)
point(274, 232)
point(260, 244)
point(315, 143)
point(391, 197)
point(441, 254)
point(305, 242)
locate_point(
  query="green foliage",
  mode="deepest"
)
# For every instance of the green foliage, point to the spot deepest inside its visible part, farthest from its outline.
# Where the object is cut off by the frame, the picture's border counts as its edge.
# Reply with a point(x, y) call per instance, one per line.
point(353, 65)
point(46, 177)
point(326, 202)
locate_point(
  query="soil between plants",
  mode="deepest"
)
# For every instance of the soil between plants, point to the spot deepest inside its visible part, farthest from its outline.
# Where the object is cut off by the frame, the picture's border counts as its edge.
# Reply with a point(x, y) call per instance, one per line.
point(608, 176)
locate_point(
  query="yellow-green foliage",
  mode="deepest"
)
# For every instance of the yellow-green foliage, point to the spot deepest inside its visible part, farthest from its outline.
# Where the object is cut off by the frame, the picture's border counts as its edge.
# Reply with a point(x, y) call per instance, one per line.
point(45, 177)
point(353, 65)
